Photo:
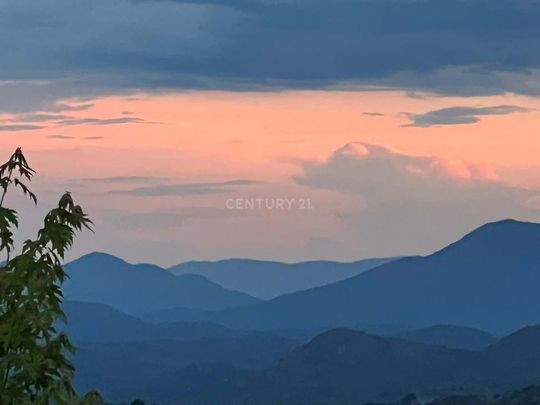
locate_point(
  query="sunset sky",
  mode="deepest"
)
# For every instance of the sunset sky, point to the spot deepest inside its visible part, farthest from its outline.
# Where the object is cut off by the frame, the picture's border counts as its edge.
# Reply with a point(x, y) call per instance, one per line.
point(390, 127)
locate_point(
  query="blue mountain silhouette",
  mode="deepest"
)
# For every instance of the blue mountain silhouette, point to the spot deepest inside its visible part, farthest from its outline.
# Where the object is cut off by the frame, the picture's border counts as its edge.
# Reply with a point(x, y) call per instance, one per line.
point(139, 288)
point(488, 280)
point(269, 279)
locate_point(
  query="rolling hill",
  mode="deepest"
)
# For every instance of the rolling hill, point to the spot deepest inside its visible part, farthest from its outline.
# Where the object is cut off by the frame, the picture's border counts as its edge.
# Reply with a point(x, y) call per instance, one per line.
point(139, 288)
point(456, 337)
point(159, 370)
point(344, 366)
point(267, 279)
point(517, 357)
point(90, 322)
point(338, 367)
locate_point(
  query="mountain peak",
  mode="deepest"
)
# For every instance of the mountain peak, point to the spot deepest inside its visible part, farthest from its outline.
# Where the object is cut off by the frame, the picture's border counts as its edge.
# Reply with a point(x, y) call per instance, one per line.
point(508, 223)
point(499, 236)
point(141, 288)
point(100, 257)
point(505, 225)
point(342, 335)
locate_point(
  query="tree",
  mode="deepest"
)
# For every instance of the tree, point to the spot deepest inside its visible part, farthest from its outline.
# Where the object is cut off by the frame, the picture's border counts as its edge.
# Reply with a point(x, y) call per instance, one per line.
point(35, 365)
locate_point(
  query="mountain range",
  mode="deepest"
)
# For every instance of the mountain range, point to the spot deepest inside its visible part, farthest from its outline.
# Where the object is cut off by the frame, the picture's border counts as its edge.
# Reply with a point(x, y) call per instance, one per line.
point(344, 366)
point(99, 323)
point(124, 356)
point(425, 324)
point(91, 323)
point(338, 367)
point(267, 279)
point(486, 280)
point(139, 288)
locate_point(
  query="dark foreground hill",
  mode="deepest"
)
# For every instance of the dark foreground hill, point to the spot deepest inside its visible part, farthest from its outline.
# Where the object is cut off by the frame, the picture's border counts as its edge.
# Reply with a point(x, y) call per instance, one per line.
point(338, 367)
point(139, 288)
point(345, 366)
point(488, 280)
point(267, 279)
point(171, 371)
point(526, 396)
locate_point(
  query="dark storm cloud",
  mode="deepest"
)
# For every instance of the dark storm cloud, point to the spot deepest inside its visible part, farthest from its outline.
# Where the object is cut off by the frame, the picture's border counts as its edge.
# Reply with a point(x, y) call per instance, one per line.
point(459, 115)
point(119, 46)
point(18, 127)
point(101, 121)
point(67, 120)
point(39, 117)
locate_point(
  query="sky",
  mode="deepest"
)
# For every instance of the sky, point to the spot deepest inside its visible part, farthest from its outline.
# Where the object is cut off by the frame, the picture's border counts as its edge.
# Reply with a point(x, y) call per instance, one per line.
point(284, 130)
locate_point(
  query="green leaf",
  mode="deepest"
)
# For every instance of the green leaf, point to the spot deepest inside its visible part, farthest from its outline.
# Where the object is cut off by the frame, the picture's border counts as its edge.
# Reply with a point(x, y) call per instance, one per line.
point(35, 365)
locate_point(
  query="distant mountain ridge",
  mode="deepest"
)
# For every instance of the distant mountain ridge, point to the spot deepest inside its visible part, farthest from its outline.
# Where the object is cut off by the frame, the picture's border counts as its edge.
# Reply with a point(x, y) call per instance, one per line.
point(98, 323)
point(91, 322)
point(452, 336)
point(139, 288)
point(486, 280)
point(269, 279)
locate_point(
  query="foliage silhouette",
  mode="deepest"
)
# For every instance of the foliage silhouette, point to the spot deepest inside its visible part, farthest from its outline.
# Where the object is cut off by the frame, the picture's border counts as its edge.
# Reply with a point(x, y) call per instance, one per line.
point(35, 365)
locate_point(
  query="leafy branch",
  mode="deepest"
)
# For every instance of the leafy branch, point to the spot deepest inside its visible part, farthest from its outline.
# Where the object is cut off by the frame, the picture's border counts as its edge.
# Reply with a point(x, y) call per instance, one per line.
point(35, 366)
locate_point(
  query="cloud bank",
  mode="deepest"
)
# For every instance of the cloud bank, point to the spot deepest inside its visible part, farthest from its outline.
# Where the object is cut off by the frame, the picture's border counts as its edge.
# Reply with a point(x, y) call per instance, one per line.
point(86, 49)
point(404, 199)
